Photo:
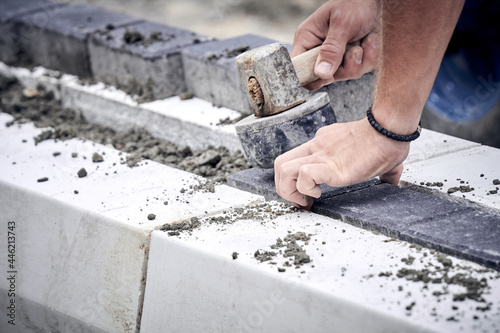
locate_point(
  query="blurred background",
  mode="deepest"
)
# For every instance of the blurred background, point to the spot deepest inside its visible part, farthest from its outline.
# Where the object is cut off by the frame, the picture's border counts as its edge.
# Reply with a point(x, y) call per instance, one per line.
point(276, 19)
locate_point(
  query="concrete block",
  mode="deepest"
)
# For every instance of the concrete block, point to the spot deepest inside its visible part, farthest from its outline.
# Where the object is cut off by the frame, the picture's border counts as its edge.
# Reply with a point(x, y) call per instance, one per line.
point(473, 234)
point(433, 144)
point(144, 56)
point(58, 40)
point(265, 138)
point(385, 208)
point(82, 243)
point(194, 284)
point(350, 99)
point(10, 9)
point(261, 182)
point(475, 169)
point(193, 122)
point(211, 72)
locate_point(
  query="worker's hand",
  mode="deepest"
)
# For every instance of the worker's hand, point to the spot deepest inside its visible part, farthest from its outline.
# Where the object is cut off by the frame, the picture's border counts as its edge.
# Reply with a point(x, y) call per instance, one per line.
point(333, 26)
point(339, 155)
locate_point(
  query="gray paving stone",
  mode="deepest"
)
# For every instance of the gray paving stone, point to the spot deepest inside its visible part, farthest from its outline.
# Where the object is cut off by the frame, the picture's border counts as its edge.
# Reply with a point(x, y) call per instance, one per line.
point(211, 71)
point(153, 62)
point(261, 182)
point(386, 208)
point(10, 9)
point(473, 234)
point(58, 39)
point(13, 8)
point(350, 99)
point(263, 140)
point(456, 228)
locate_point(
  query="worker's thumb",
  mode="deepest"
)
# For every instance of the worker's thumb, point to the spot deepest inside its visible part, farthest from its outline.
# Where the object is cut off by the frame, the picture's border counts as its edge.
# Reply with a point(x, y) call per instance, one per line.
point(330, 57)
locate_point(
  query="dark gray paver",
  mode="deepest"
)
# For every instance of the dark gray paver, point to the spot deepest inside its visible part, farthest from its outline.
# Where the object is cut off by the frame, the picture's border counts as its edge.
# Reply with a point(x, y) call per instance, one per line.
point(350, 99)
point(457, 229)
point(261, 182)
point(463, 230)
point(211, 71)
point(58, 39)
point(385, 208)
point(13, 8)
point(473, 234)
point(10, 9)
point(262, 145)
point(152, 62)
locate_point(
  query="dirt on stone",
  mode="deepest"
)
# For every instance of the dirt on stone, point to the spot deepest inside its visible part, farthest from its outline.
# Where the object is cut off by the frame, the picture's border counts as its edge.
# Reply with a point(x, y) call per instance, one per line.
point(141, 92)
point(295, 255)
point(228, 53)
point(132, 36)
point(474, 287)
point(461, 188)
point(63, 124)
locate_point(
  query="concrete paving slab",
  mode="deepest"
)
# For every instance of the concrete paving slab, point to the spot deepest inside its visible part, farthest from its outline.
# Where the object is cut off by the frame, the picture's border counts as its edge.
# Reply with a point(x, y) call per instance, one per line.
point(9, 35)
point(433, 144)
point(211, 72)
point(261, 182)
point(421, 218)
point(352, 274)
point(474, 169)
point(58, 40)
point(145, 55)
point(473, 233)
point(350, 99)
point(82, 242)
point(12, 8)
point(385, 208)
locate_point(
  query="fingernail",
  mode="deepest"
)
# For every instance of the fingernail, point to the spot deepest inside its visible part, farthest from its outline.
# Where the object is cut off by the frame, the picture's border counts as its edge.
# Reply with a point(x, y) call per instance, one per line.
point(323, 68)
point(358, 57)
point(374, 42)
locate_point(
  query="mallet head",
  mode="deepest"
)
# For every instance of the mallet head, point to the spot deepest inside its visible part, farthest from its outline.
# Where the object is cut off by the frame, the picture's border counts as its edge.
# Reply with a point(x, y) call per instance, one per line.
point(273, 85)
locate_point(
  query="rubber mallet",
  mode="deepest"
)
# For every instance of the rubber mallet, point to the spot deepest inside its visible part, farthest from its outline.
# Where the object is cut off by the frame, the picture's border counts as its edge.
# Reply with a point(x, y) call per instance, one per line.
point(274, 83)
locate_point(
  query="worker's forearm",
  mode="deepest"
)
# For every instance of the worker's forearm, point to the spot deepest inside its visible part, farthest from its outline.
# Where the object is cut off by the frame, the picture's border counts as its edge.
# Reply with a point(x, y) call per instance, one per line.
point(415, 34)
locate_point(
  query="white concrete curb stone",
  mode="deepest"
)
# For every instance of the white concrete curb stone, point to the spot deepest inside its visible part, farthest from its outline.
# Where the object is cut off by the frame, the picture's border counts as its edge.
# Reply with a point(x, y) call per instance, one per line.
point(194, 285)
point(84, 255)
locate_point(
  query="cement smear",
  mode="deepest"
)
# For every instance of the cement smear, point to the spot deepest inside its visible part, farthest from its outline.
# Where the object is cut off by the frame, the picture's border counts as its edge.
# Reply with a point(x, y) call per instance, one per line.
point(41, 108)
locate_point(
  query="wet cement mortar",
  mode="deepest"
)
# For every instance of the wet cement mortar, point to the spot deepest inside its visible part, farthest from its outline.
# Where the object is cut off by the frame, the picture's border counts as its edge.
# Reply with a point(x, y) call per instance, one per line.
point(289, 247)
point(443, 278)
point(464, 186)
point(41, 108)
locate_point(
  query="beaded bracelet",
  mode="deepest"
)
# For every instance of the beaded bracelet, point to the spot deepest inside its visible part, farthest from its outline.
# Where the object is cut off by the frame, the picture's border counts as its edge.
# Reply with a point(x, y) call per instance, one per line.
point(389, 134)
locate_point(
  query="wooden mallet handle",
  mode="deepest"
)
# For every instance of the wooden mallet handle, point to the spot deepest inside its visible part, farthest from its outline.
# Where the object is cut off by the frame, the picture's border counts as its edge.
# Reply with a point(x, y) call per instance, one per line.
point(304, 64)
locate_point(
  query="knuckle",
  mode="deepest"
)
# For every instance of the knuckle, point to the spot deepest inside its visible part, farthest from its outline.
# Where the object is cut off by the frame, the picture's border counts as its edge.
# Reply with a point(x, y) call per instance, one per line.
point(332, 48)
point(321, 131)
point(278, 162)
point(285, 171)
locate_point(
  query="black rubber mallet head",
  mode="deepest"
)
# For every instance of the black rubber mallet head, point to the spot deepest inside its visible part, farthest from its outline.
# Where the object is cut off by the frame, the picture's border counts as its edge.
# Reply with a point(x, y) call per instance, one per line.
point(274, 83)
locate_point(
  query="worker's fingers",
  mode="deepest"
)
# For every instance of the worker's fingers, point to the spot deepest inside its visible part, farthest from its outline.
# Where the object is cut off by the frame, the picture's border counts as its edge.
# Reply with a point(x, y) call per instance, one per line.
point(304, 39)
point(311, 176)
point(280, 169)
point(286, 175)
point(332, 50)
point(370, 52)
point(359, 60)
point(393, 175)
point(286, 172)
point(351, 66)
